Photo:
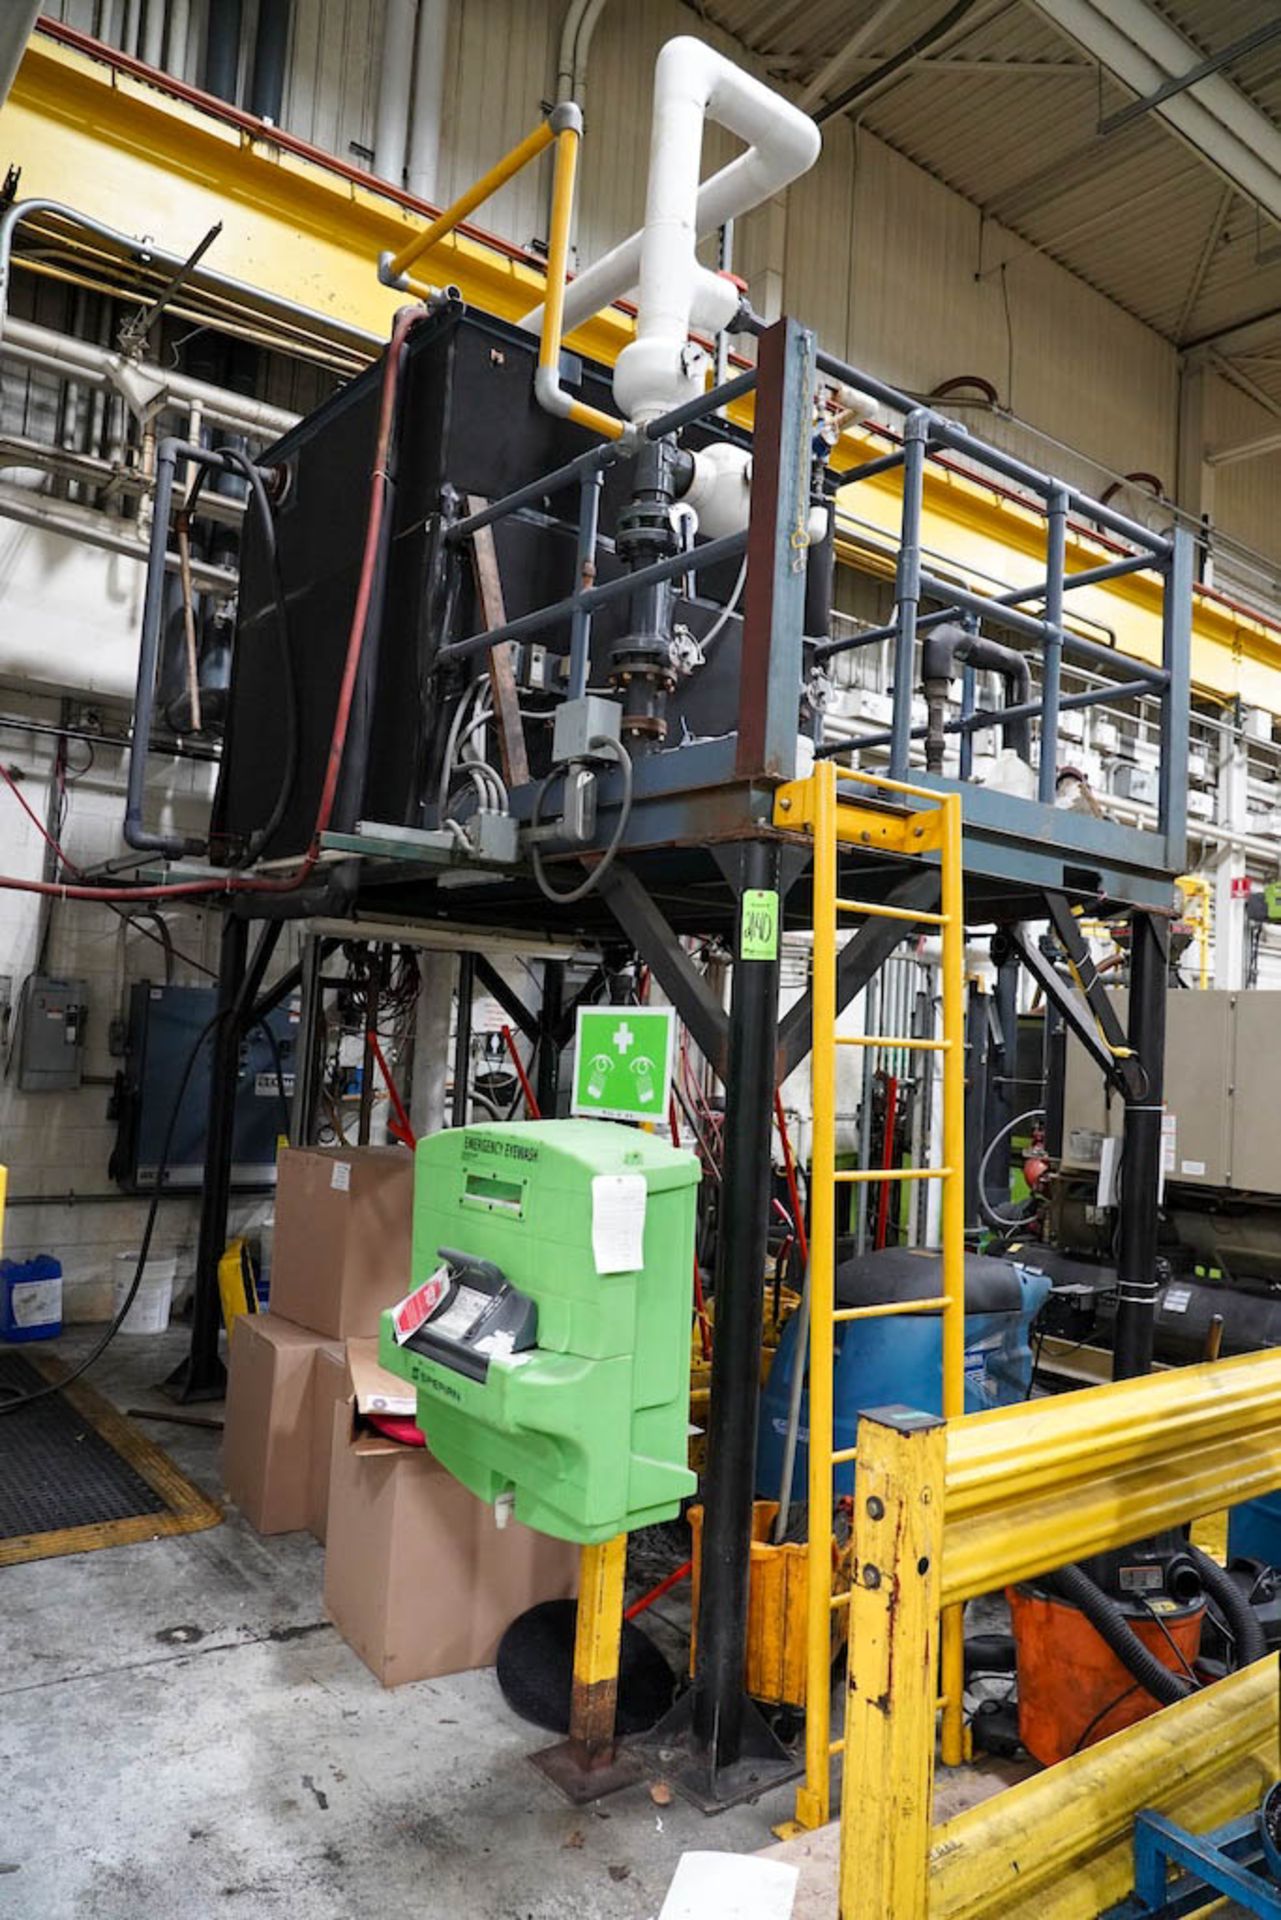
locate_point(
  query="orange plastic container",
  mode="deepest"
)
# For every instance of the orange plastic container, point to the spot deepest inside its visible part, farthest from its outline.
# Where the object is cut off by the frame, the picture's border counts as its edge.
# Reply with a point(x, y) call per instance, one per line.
point(1073, 1691)
point(778, 1587)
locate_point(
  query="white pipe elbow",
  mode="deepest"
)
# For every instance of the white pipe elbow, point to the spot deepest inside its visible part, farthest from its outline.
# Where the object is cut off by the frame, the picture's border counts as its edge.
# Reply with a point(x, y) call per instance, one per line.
point(692, 84)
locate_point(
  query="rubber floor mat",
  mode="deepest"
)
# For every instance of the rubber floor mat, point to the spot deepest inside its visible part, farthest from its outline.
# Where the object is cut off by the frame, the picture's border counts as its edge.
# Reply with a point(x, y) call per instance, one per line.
point(76, 1475)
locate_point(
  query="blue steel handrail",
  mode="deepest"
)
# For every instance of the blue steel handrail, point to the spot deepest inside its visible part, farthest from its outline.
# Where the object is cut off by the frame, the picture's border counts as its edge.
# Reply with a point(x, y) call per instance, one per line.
point(926, 432)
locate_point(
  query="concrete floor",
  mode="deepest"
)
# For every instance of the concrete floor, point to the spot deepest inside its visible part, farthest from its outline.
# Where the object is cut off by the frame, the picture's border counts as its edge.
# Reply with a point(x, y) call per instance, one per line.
point(184, 1736)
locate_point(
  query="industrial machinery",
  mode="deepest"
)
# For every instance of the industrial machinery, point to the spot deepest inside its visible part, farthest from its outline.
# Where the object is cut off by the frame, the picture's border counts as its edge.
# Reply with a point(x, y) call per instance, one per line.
point(164, 1024)
point(523, 642)
point(550, 1353)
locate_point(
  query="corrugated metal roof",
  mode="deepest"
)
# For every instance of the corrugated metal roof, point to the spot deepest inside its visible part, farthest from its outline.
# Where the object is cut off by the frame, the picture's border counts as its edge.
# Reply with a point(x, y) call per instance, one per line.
point(1005, 110)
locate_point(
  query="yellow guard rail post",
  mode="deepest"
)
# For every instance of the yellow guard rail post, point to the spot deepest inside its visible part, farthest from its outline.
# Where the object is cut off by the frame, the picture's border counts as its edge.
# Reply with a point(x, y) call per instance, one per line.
point(818, 805)
point(564, 125)
point(1026, 1489)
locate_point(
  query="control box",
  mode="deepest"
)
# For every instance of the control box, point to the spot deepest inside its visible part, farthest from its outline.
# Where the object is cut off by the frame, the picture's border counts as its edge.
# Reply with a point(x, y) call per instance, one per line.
point(51, 1034)
point(547, 1333)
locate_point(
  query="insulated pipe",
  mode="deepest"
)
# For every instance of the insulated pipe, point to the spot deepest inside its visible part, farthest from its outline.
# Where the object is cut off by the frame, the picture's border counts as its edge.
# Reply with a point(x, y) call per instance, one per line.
point(168, 454)
point(575, 42)
point(692, 84)
point(423, 153)
point(941, 651)
point(391, 125)
point(271, 54)
point(84, 360)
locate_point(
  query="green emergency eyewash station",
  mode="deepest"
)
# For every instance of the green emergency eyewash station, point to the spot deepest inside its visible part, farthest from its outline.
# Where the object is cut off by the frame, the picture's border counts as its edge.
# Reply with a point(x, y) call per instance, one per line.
point(551, 1354)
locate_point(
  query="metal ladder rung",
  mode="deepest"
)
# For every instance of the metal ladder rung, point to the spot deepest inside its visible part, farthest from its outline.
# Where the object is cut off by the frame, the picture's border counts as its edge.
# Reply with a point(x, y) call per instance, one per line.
point(842, 1456)
point(854, 1176)
point(883, 1310)
point(916, 916)
point(840, 1600)
point(836, 1746)
point(906, 1040)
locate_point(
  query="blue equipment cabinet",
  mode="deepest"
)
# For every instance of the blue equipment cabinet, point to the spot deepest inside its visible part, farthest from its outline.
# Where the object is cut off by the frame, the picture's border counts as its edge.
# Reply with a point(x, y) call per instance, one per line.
point(900, 1358)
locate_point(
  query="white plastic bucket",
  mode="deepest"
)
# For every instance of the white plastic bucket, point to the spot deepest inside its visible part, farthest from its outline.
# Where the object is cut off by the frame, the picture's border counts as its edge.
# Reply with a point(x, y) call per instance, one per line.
point(154, 1298)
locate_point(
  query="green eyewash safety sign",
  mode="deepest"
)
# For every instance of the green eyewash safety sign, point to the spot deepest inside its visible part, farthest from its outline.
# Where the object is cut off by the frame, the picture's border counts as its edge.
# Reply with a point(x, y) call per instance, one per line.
point(623, 1063)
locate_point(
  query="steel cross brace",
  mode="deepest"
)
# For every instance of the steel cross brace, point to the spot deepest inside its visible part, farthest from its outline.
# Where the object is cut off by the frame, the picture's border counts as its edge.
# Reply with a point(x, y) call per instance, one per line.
point(858, 960)
point(1083, 1014)
point(510, 1002)
point(646, 926)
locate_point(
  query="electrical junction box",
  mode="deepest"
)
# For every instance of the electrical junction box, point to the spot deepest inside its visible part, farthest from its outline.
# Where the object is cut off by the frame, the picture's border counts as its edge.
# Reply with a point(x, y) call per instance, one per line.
point(547, 1336)
point(165, 1023)
point(51, 1034)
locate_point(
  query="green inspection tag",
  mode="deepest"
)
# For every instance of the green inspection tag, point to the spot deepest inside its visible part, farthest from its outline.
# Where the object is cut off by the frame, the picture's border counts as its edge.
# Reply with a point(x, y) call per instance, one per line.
point(758, 935)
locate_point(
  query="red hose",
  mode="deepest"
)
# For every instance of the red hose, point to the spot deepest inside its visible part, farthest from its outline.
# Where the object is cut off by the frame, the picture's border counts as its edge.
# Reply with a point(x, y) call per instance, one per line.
point(887, 1160)
point(789, 1169)
point(405, 321)
point(656, 1593)
point(403, 1127)
point(531, 1105)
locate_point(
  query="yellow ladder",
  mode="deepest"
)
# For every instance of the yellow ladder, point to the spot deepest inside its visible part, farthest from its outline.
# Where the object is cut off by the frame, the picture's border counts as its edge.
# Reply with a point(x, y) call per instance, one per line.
point(818, 806)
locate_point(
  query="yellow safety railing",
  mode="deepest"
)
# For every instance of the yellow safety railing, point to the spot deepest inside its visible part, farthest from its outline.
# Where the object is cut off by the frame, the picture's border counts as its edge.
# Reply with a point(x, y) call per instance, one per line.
point(949, 1510)
point(819, 805)
point(564, 126)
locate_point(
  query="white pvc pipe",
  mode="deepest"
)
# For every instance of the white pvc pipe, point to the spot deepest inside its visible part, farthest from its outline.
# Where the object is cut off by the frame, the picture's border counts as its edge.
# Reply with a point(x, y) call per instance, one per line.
point(692, 83)
point(423, 162)
point(391, 123)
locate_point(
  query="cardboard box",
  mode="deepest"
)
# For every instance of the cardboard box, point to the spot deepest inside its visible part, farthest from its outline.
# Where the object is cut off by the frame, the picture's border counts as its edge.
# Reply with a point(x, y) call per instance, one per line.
point(341, 1245)
point(328, 1390)
point(419, 1578)
point(270, 1432)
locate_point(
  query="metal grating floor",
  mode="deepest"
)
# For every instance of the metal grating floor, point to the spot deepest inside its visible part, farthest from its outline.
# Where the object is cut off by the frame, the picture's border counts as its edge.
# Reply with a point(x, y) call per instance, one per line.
point(56, 1470)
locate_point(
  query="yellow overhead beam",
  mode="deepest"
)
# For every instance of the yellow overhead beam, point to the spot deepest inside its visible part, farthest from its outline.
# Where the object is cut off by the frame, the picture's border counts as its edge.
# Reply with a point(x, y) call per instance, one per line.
point(141, 155)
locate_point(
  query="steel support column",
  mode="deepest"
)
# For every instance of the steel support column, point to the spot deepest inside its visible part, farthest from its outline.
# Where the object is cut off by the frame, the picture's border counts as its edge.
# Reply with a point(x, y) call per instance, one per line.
point(1141, 1152)
point(732, 1752)
point(547, 1084)
point(462, 1039)
point(202, 1376)
point(720, 1705)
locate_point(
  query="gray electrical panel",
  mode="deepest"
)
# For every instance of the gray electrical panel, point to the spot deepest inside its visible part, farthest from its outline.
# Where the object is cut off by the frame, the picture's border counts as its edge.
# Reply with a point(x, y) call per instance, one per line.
point(1222, 1052)
point(51, 1034)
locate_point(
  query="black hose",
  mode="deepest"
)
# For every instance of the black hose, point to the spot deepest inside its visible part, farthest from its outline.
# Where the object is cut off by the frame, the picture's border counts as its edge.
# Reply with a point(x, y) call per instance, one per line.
point(1076, 1587)
point(1243, 1622)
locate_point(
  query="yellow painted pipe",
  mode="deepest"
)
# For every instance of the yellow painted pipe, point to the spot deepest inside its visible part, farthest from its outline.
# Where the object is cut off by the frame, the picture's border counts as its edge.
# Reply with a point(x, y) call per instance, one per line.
point(549, 344)
point(952, 1235)
point(813, 1799)
point(481, 190)
point(1059, 1846)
